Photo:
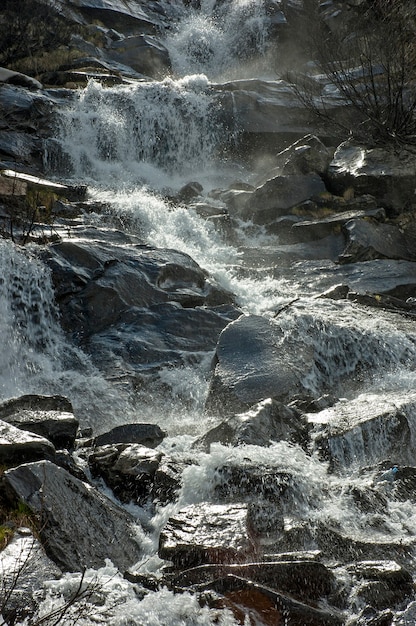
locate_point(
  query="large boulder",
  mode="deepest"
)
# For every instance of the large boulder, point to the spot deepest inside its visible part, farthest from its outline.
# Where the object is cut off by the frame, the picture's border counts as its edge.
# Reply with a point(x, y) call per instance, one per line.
point(386, 174)
point(20, 446)
point(368, 240)
point(48, 416)
point(80, 527)
point(206, 533)
point(366, 429)
point(143, 53)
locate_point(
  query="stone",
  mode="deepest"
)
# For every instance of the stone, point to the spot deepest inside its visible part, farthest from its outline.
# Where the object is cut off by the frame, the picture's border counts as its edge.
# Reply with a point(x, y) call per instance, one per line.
point(239, 482)
point(264, 423)
point(309, 230)
point(79, 526)
point(167, 481)
point(267, 606)
point(24, 569)
point(386, 174)
point(279, 195)
point(368, 240)
point(144, 53)
point(20, 446)
point(35, 414)
point(128, 469)
point(17, 78)
point(307, 581)
point(150, 435)
point(382, 584)
point(365, 430)
point(206, 533)
point(41, 185)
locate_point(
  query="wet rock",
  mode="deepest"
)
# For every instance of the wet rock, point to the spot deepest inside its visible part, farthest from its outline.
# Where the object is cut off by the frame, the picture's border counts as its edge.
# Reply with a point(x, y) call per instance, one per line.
point(43, 186)
point(308, 230)
point(206, 533)
point(24, 568)
point(278, 196)
point(144, 53)
point(382, 584)
point(268, 607)
point(386, 174)
point(150, 435)
point(307, 581)
point(128, 469)
point(80, 527)
point(241, 481)
point(264, 423)
point(20, 446)
point(368, 240)
point(167, 481)
point(36, 415)
point(366, 429)
point(305, 156)
point(16, 78)
point(188, 192)
point(18, 146)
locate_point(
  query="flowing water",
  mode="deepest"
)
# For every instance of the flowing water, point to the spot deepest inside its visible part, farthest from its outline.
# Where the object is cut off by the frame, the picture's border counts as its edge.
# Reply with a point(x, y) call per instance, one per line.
point(129, 144)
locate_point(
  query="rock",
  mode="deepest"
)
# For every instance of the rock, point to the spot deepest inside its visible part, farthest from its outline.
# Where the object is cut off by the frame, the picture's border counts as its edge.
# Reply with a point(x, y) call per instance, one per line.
point(266, 422)
point(206, 533)
point(240, 482)
point(189, 192)
point(383, 584)
point(368, 240)
point(167, 481)
point(278, 196)
point(386, 174)
point(244, 597)
point(144, 53)
point(19, 446)
point(308, 230)
point(21, 147)
point(80, 527)
point(40, 185)
point(150, 435)
point(307, 581)
point(128, 469)
point(57, 425)
point(16, 78)
point(365, 430)
point(24, 569)
point(305, 156)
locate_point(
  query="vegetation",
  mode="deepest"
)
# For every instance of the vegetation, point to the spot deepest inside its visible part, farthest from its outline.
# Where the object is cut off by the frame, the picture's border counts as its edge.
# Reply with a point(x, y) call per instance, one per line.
point(369, 57)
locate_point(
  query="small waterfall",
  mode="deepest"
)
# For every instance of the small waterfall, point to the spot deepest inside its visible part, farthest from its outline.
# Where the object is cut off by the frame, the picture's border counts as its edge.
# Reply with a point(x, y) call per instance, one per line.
point(142, 132)
point(221, 38)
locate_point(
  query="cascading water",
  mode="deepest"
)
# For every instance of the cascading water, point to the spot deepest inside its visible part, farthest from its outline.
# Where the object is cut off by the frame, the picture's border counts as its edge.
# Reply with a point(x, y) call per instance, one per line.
point(130, 143)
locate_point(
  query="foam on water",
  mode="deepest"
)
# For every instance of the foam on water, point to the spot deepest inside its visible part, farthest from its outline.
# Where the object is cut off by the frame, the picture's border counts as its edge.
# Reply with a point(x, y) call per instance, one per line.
point(220, 40)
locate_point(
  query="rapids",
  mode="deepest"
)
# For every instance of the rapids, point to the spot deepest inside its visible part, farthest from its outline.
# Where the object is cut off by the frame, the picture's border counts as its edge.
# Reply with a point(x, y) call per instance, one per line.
point(129, 144)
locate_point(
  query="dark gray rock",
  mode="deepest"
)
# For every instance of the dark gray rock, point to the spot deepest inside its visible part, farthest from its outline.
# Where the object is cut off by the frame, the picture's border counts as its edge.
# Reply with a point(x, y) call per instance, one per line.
point(305, 156)
point(386, 174)
point(278, 196)
point(149, 435)
point(20, 446)
point(309, 230)
point(144, 53)
point(206, 533)
point(307, 581)
point(241, 482)
point(366, 429)
point(368, 240)
point(264, 423)
point(167, 481)
point(24, 569)
point(48, 416)
point(128, 469)
point(241, 596)
point(17, 78)
point(80, 527)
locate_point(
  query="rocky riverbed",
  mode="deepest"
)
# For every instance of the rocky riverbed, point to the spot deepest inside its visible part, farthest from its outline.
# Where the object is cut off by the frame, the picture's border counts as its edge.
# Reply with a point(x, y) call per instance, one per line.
point(208, 317)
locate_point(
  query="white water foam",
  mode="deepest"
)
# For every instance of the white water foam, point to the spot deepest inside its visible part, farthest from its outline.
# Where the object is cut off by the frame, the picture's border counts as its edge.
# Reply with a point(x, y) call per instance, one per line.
point(221, 39)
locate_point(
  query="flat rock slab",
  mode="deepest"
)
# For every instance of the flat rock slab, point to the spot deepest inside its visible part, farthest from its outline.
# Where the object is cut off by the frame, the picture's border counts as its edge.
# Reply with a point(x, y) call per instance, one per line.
point(305, 580)
point(365, 430)
point(80, 527)
point(206, 533)
point(20, 446)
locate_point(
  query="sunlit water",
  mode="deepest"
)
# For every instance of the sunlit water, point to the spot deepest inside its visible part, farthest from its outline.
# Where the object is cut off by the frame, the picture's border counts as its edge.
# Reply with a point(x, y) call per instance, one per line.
point(132, 144)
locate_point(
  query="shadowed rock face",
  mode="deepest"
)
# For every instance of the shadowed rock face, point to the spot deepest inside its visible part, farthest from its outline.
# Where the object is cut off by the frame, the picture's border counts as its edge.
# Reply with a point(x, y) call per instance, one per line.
point(86, 536)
